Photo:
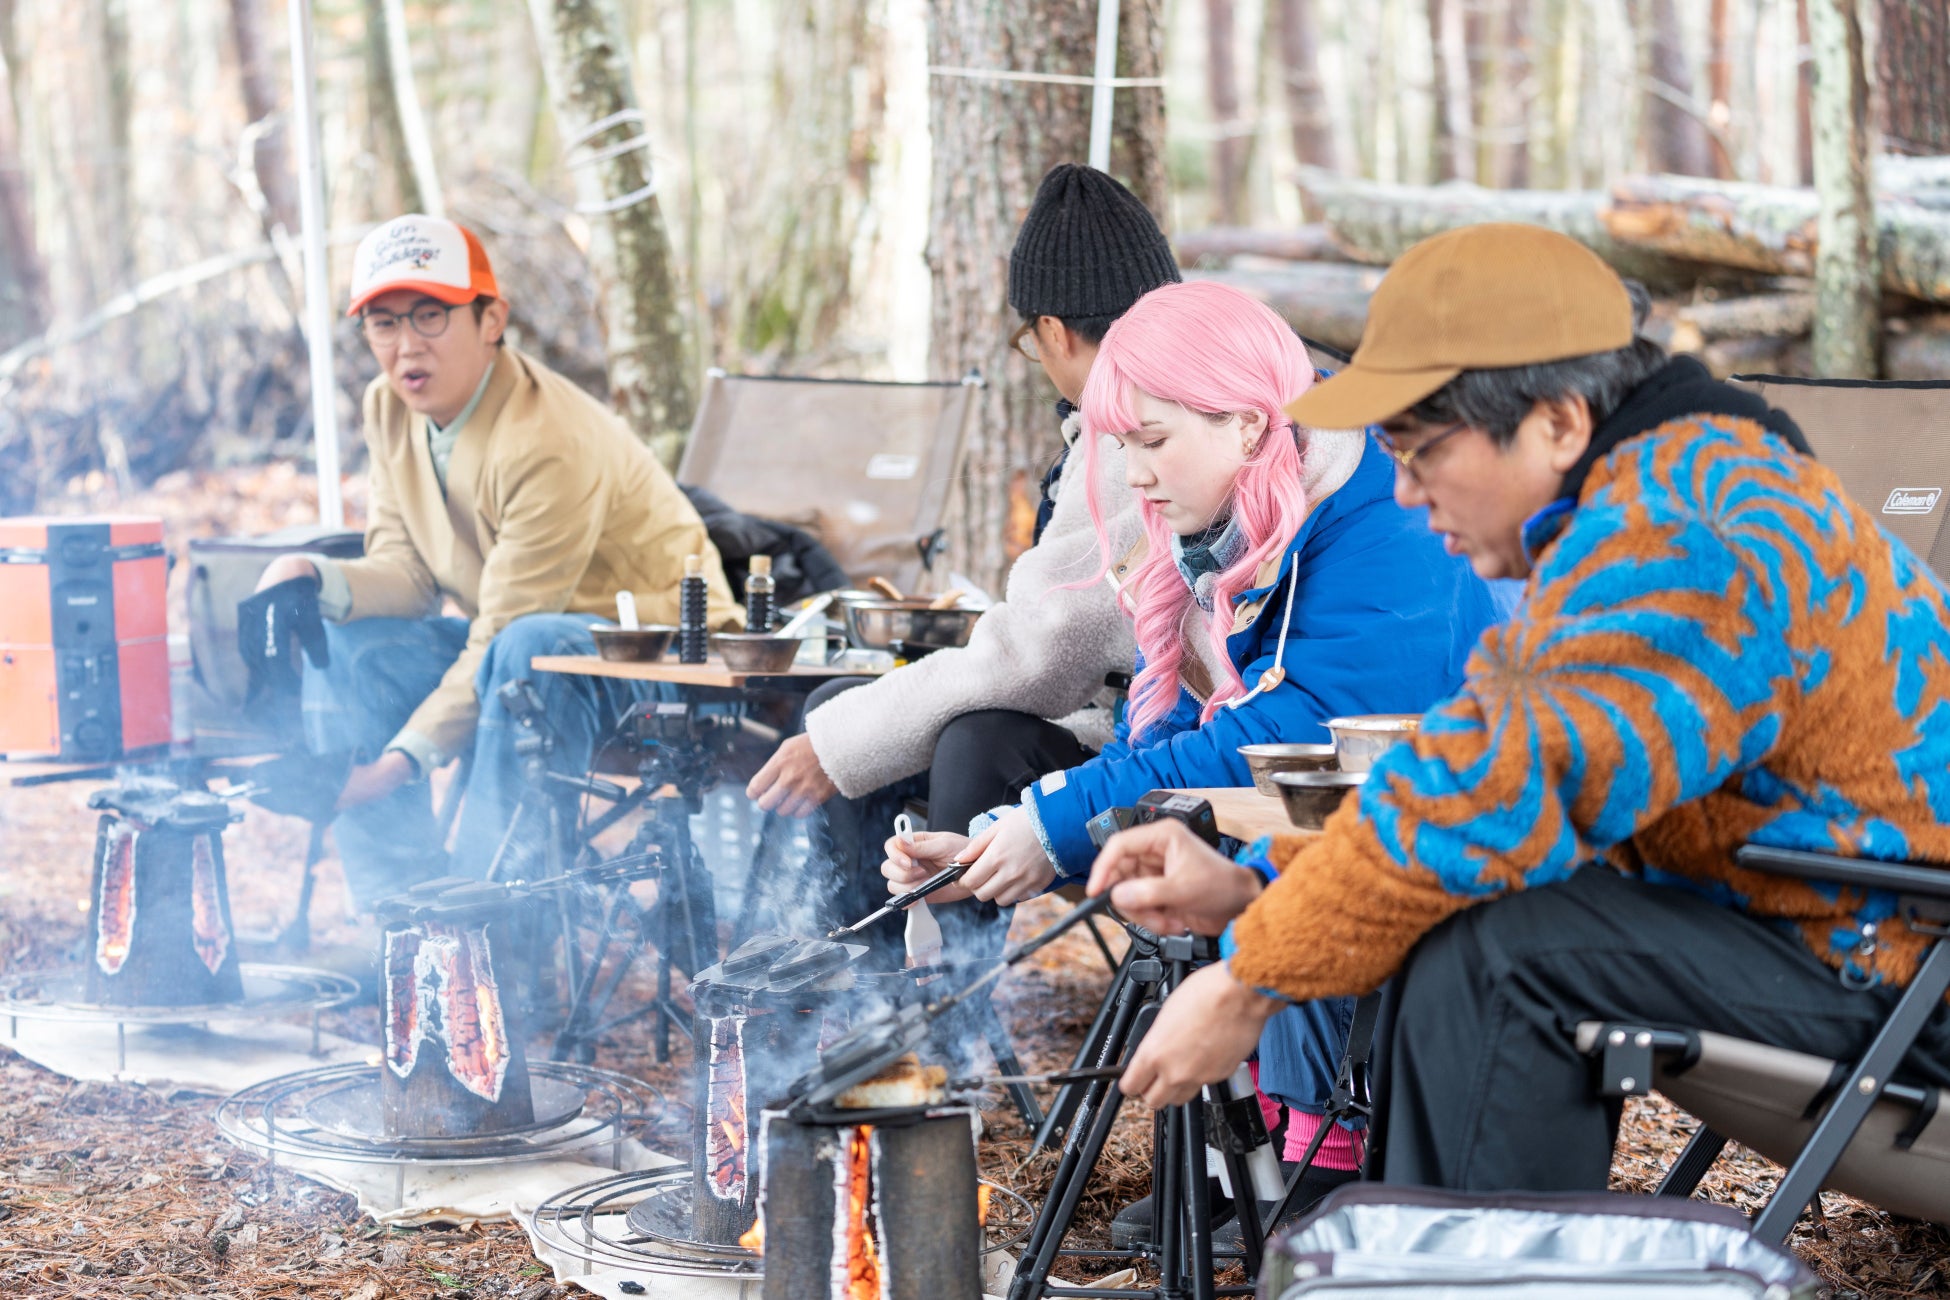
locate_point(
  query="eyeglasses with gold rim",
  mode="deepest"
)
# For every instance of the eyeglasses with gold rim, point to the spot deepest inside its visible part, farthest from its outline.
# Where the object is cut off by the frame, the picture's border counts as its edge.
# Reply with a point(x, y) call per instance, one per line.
point(1407, 456)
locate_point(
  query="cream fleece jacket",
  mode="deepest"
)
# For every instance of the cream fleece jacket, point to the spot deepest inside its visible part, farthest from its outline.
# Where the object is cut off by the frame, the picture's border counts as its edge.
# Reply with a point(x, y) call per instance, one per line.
point(1044, 649)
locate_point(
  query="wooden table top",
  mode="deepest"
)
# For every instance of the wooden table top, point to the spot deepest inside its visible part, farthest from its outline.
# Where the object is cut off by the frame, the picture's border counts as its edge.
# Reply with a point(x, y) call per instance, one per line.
point(711, 673)
point(1246, 814)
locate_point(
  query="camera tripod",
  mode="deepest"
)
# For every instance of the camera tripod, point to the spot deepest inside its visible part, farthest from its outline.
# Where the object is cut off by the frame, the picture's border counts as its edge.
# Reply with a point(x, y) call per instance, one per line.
point(1182, 1247)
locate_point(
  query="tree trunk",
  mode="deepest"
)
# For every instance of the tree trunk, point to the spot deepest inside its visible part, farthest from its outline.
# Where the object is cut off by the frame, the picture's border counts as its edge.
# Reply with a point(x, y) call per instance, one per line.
point(1377, 223)
point(1773, 230)
point(1674, 139)
point(993, 141)
point(1913, 72)
point(646, 353)
point(1450, 132)
point(1848, 326)
point(1306, 101)
point(1804, 96)
point(399, 184)
point(1511, 166)
point(1324, 302)
point(23, 278)
point(1719, 85)
point(258, 80)
point(1230, 147)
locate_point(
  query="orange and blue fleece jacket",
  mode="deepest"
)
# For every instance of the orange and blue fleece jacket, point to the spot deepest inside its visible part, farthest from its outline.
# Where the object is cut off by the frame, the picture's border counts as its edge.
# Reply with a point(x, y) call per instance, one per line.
point(1717, 646)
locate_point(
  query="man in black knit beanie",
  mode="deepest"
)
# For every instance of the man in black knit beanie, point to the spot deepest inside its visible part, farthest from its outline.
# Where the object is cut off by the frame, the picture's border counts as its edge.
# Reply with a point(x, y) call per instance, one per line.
point(968, 728)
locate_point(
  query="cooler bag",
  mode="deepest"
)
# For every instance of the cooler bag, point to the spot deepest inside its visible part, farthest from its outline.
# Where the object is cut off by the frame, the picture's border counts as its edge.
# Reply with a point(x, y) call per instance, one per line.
point(1415, 1243)
point(223, 571)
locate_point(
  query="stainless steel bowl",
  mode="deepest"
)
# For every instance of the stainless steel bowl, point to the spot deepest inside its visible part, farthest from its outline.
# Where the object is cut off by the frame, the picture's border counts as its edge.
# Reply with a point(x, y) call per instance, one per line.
point(1363, 738)
point(872, 624)
point(1264, 760)
point(1312, 797)
point(755, 652)
point(641, 645)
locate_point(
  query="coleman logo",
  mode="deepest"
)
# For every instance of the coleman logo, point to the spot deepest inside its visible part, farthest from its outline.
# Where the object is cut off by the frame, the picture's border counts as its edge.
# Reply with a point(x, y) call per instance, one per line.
point(1912, 501)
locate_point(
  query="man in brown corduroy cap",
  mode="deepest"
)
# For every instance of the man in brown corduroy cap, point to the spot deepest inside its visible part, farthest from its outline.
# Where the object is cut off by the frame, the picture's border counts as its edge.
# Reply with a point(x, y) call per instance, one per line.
point(1716, 646)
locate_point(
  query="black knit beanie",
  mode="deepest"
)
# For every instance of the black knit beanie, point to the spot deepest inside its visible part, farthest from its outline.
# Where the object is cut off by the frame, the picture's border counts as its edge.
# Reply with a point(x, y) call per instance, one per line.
point(1087, 248)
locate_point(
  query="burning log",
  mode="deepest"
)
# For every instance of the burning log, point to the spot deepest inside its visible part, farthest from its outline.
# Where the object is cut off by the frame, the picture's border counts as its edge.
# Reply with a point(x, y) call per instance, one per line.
point(752, 1055)
point(454, 1065)
point(160, 929)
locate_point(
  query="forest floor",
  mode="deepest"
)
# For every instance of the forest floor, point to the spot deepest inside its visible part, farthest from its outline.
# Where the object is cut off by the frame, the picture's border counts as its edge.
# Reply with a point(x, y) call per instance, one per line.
point(123, 1190)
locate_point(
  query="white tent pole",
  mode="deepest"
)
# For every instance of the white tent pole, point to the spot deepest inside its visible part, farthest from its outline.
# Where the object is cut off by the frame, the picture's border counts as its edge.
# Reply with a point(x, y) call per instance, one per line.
point(318, 285)
point(1100, 94)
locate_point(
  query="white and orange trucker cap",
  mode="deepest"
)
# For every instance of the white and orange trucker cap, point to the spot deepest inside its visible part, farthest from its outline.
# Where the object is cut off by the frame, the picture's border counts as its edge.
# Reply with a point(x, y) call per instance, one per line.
point(441, 259)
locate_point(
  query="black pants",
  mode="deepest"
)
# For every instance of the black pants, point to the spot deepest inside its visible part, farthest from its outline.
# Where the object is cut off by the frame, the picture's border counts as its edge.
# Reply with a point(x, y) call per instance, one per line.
point(981, 761)
point(1484, 1089)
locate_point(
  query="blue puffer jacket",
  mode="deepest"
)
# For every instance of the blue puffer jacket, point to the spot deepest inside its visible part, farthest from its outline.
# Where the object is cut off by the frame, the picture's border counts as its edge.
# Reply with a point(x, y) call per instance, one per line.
point(1382, 623)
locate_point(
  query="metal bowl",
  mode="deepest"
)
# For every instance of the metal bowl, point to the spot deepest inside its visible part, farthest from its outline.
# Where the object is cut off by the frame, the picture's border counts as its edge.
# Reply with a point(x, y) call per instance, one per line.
point(1312, 797)
point(755, 652)
point(1264, 760)
point(1360, 740)
point(872, 624)
point(643, 645)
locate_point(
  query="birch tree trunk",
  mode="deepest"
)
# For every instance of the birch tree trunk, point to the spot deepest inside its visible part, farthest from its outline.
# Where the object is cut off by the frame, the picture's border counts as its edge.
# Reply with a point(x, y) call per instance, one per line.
point(1451, 134)
point(1847, 264)
point(399, 126)
point(646, 353)
point(398, 184)
point(1306, 102)
point(992, 142)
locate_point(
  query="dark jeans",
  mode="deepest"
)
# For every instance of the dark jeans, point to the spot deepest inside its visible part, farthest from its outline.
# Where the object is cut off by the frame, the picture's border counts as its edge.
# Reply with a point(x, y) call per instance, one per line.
point(1485, 1090)
point(981, 761)
point(381, 669)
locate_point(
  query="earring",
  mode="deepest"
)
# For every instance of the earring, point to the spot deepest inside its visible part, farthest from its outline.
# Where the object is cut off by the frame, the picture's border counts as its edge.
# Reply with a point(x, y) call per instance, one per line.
point(1247, 447)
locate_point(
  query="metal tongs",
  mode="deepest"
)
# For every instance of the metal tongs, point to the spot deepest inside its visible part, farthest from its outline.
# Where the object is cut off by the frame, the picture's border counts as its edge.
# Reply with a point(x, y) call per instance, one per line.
point(941, 879)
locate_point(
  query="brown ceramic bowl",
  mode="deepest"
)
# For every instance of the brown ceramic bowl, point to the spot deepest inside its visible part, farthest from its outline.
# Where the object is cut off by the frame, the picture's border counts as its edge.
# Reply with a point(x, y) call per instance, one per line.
point(755, 652)
point(1264, 760)
point(1312, 797)
point(644, 645)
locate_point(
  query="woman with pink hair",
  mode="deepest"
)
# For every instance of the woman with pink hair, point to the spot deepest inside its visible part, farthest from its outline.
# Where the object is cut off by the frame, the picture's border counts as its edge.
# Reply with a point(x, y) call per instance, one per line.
point(1277, 585)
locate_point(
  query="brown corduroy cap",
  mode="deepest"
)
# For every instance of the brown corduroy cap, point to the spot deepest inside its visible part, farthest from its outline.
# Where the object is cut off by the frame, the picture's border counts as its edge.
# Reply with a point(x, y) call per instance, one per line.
point(1482, 297)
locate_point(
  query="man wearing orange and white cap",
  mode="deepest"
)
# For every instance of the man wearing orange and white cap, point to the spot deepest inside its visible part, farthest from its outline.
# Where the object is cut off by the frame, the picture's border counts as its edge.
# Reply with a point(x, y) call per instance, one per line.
point(497, 488)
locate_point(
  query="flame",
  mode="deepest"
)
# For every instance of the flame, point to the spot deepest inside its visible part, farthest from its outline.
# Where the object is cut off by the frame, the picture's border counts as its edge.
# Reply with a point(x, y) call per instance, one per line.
point(754, 1239)
point(210, 934)
point(862, 1255)
point(982, 1191)
point(440, 984)
point(731, 1135)
point(724, 1153)
point(115, 921)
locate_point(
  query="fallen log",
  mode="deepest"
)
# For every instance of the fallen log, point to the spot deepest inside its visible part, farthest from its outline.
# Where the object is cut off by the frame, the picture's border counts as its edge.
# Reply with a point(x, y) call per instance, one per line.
point(1770, 230)
point(1310, 243)
point(1901, 174)
point(1376, 223)
point(1327, 302)
point(1691, 326)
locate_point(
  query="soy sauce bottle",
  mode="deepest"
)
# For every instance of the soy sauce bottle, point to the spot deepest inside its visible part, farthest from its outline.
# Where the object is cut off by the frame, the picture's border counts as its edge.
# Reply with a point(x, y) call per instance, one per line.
point(761, 600)
point(692, 634)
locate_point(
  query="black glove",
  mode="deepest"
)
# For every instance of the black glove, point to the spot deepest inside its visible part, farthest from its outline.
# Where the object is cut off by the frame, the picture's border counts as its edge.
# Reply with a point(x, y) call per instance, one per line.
point(267, 624)
point(301, 785)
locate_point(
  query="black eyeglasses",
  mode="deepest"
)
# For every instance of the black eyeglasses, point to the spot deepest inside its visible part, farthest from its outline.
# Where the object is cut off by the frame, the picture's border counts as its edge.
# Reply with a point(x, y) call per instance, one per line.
point(428, 318)
point(1407, 456)
point(1024, 341)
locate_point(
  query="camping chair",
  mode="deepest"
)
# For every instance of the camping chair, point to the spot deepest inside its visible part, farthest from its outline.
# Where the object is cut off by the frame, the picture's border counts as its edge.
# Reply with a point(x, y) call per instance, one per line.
point(865, 467)
point(1839, 1124)
point(1889, 442)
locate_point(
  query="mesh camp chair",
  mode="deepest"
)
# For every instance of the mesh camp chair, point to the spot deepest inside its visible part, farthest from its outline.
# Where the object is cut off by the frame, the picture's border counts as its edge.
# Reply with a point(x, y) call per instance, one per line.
point(1840, 1124)
point(865, 467)
point(1888, 441)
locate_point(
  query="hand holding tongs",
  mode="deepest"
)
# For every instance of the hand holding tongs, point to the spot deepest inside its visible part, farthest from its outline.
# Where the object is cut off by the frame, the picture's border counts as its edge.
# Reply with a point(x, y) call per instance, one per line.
point(941, 879)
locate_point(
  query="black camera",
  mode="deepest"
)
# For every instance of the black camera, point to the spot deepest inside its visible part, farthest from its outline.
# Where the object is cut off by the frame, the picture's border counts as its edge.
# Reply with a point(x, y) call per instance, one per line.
point(1159, 805)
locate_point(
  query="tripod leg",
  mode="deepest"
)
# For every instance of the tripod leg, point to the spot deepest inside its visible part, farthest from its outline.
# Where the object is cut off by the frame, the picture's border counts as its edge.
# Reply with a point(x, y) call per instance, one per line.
point(296, 938)
point(1199, 1200)
point(1102, 947)
point(773, 833)
point(1063, 1109)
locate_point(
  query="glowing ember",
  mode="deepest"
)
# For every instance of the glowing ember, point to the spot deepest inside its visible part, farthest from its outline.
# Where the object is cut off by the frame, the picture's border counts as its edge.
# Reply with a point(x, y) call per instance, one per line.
point(207, 926)
point(982, 1191)
point(862, 1255)
point(724, 1151)
point(117, 911)
point(754, 1239)
point(440, 985)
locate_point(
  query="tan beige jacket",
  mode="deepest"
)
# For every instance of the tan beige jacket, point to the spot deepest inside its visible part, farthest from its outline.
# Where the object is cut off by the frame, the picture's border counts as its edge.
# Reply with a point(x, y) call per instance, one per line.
point(552, 506)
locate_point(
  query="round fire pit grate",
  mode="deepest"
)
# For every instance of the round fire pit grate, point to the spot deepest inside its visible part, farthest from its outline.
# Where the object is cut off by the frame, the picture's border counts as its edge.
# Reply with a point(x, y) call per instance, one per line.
point(269, 992)
point(332, 1113)
point(642, 1220)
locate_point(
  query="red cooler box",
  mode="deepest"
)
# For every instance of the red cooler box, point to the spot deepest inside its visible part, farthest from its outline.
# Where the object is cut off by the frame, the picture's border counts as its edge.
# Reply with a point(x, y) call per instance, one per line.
point(84, 650)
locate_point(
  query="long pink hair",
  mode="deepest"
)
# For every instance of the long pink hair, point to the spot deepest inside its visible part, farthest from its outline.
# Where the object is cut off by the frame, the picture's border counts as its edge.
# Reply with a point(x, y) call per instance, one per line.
point(1212, 349)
